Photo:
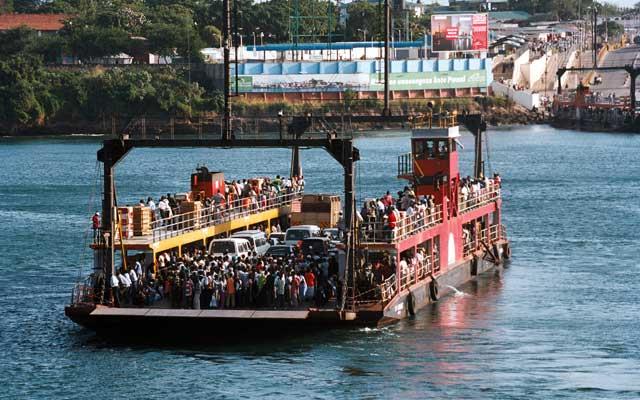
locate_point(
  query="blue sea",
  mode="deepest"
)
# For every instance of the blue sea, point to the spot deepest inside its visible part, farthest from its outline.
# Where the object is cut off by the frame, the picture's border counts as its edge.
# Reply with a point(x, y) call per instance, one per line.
point(561, 321)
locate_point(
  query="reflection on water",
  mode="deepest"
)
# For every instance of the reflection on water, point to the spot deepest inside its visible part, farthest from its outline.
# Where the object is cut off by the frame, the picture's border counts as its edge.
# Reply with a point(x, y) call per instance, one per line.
point(561, 322)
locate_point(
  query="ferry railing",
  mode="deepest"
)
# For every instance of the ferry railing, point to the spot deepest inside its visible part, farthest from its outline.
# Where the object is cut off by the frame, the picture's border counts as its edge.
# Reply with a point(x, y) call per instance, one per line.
point(488, 235)
point(179, 224)
point(82, 292)
point(388, 288)
point(379, 231)
point(405, 164)
point(415, 273)
point(478, 199)
point(430, 120)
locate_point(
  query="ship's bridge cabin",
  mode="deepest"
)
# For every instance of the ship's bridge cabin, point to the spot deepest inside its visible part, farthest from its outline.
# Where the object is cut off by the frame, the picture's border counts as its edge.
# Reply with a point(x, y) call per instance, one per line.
point(432, 165)
point(448, 229)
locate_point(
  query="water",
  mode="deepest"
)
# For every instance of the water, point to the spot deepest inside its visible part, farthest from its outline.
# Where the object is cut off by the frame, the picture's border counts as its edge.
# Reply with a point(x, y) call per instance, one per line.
point(561, 322)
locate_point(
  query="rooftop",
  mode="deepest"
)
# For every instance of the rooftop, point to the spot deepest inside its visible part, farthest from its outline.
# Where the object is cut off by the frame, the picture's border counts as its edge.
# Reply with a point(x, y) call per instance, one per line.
point(509, 15)
point(38, 22)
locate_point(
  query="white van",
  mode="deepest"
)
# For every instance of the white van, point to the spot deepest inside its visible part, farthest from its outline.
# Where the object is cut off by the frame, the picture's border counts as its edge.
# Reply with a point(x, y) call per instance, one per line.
point(300, 232)
point(256, 238)
point(232, 247)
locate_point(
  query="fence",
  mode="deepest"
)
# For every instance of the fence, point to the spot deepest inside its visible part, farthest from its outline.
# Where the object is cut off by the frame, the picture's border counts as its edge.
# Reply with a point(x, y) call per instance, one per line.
point(478, 199)
point(488, 236)
point(379, 231)
point(200, 219)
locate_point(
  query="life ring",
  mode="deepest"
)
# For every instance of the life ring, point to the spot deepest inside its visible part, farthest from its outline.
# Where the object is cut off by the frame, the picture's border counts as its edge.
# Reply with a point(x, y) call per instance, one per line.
point(411, 304)
point(433, 290)
point(507, 253)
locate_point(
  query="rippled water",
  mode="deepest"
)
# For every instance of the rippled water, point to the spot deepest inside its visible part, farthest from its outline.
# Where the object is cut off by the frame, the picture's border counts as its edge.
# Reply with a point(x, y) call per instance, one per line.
point(561, 321)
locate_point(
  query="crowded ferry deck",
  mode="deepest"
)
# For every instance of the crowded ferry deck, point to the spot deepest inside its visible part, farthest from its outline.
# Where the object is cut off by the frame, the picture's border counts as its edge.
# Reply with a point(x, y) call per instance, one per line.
point(370, 265)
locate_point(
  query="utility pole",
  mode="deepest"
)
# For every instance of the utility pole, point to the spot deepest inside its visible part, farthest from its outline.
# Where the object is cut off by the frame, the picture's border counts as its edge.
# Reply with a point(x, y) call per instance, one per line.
point(387, 24)
point(236, 42)
point(595, 35)
point(226, 123)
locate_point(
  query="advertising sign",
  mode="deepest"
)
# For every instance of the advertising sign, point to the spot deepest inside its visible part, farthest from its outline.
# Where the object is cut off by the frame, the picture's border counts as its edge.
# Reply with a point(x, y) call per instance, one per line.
point(361, 82)
point(459, 32)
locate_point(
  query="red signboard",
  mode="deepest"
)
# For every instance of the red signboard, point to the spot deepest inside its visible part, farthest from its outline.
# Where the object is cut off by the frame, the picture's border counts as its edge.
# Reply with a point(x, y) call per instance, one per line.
point(479, 31)
point(452, 33)
point(459, 32)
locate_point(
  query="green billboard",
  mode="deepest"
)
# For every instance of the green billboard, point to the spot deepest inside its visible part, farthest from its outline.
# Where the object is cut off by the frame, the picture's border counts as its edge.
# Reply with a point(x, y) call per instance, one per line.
point(430, 80)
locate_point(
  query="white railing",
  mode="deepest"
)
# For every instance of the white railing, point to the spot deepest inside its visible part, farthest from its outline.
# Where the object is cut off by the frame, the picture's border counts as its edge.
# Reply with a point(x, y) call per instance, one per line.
point(379, 231)
point(491, 235)
point(388, 288)
point(214, 215)
point(478, 199)
point(415, 274)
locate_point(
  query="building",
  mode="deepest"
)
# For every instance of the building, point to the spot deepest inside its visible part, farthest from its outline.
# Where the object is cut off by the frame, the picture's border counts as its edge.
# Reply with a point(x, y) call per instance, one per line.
point(41, 23)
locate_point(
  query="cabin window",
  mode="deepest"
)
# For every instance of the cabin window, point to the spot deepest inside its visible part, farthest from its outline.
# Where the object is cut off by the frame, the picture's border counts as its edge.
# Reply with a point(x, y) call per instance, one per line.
point(433, 148)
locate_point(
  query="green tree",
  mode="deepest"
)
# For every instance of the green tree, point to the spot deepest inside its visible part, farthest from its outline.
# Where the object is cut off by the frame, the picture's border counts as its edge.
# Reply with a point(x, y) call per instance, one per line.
point(612, 28)
point(89, 42)
point(16, 41)
point(364, 16)
point(212, 36)
point(23, 97)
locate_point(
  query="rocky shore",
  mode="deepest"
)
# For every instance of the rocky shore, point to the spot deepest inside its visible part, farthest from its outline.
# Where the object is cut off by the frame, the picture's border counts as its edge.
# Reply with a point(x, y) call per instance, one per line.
point(260, 117)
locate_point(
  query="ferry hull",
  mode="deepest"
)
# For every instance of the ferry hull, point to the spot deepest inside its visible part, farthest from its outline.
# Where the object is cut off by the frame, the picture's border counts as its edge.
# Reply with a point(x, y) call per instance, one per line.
point(455, 276)
point(150, 324)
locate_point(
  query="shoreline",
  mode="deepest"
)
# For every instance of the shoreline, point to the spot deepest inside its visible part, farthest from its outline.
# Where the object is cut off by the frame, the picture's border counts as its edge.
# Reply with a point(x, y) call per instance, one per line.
point(357, 133)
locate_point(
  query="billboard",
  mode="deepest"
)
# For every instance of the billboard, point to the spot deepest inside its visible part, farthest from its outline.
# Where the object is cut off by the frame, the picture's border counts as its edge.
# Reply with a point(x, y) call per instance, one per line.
point(361, 81)
point(459, 32)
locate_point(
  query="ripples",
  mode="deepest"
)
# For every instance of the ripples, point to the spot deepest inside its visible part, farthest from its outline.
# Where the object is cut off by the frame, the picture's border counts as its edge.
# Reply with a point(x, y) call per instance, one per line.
point(560, 322)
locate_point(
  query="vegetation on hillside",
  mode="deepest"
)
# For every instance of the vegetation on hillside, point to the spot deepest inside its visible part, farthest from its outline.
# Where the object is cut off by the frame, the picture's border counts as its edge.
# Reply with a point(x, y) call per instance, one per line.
point(31, 95)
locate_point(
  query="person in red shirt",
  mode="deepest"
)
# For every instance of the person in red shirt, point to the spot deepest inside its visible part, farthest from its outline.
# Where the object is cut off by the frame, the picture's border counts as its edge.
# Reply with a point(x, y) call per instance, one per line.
point(230, 300)
point(392, 220)
point(95, 224)
point(310, 278)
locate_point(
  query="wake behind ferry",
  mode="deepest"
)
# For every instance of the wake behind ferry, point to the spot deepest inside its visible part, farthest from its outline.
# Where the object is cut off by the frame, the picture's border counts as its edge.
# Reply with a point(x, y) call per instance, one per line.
point(261, 255)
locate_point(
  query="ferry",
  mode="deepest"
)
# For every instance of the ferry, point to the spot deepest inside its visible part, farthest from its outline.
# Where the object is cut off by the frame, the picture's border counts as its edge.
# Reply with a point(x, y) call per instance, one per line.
point(458, 236)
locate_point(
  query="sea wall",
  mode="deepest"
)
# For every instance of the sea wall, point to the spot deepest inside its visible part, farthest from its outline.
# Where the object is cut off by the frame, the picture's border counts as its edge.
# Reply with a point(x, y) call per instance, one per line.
point(525, 98)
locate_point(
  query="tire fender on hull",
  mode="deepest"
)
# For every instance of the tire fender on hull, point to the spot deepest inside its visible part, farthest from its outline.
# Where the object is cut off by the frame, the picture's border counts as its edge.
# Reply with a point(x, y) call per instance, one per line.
point(433, 289)
point(411, 304)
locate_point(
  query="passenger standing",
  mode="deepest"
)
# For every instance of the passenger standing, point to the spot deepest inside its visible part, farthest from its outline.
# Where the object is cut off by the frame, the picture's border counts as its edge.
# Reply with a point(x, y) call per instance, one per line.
point(280, 288)
point(230, 299)
point(197, 291)
point(95, 224)
point(187, 302)
point(115, 290)
point(310, 278)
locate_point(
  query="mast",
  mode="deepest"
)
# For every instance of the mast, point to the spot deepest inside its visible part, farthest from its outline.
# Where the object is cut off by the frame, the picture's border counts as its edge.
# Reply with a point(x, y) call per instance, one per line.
point(226, 123)
point(387, 23)
point(478, 164)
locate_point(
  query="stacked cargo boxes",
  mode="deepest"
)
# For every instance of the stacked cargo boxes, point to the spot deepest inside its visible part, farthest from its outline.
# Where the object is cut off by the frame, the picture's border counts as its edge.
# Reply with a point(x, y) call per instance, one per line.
point(193, 211)
point(318, 209)
point(125, 218)
point(141, 221)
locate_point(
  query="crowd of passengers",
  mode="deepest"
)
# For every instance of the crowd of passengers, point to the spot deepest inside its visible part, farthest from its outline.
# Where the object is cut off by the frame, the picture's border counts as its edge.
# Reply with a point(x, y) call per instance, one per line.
point(197, 280)
point(242, 195)
point(472, 190)
point(382, 216)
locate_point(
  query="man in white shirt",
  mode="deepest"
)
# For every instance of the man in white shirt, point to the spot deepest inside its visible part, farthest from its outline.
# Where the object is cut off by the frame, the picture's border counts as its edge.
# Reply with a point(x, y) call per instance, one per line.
point(115, 290)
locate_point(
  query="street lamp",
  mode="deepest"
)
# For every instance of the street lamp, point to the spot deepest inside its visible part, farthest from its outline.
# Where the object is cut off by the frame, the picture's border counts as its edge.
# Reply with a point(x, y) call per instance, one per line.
point(364, 34)
point(254, 37)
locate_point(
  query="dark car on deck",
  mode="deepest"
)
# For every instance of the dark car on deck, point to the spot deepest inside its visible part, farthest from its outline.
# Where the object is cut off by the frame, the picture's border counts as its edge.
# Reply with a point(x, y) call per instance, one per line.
point(315, 246)
point(280, 250)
